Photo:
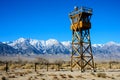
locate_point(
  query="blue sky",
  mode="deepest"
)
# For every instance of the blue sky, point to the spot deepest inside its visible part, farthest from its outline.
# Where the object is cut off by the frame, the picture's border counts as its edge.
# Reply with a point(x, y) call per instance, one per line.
point(45, 19)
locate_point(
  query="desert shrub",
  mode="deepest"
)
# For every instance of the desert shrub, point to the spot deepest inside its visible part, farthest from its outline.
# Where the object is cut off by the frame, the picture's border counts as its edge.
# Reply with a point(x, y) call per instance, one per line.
point(52, 74)
point(93, 74)
point(63, 75)
point(53, 67)
point(20, 73)
point(4, 78)
point(55, 78)
point(2, 67)
point(12, 76)
point(111, 77)
point(79, 76)
point(41, 60)
point(30, 78)
point(40, 74)
point(118, 75)
point(70, 76)
point(35, 77)
point(103, 75)
point(27, 66)
point(42, 79)
point(13, 66)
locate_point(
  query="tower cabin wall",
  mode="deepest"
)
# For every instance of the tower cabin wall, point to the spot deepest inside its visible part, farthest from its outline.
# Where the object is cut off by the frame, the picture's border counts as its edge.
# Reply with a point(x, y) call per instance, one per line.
point(81, 19)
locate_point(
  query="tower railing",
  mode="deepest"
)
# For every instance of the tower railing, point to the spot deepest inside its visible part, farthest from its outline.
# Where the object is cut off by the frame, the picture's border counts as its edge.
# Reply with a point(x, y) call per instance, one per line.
point(80, 10)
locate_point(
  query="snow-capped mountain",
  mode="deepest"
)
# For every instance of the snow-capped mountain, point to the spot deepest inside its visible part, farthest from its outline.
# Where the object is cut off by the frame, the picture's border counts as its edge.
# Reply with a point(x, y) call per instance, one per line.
point(110, 49)
point(52, 46)
point(7, 50)
point(55, 47)
point(38, 44)
point(33, 46)
point(23, 45)
point(67, 44)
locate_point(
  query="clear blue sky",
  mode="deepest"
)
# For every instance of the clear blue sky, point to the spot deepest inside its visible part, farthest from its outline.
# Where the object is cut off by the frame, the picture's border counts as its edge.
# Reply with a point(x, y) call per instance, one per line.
point(44, 19)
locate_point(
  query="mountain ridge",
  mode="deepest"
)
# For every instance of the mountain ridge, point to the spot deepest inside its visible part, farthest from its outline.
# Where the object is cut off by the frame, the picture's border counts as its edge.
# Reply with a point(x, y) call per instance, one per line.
point(52, 46)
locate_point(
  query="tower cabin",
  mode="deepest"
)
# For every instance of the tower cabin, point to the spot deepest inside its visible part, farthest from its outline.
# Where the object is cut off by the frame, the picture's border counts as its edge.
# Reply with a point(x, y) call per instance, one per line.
point(80, 18)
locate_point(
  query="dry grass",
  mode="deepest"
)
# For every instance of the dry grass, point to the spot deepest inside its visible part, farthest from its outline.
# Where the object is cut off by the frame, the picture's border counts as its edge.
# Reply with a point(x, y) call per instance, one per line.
point(93, 74)
point(103, 66)
point(27, 71)
point(79, 76)
point(12, 76)
point(70, 76)
point(110, 77)
point(108, 65)
point(21, 73)
point(55, 78)
point(42, 79)
point(103, 75)
point(52, 75)
point(40, 74)
point(63, 76)
point(28, 66)
point(118, 75)
point(4, 78)
point(2, 67)
point(30, 78)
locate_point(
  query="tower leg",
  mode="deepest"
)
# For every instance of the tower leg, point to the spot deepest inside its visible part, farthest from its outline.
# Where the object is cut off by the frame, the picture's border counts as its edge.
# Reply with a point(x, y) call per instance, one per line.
point(81, 50)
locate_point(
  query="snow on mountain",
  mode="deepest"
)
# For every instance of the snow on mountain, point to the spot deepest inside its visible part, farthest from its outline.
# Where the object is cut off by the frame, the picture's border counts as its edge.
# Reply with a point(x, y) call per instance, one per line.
point(55, 47)
point(106, 50)
point(111, 43)
point(67, 44)
point(20, 40)
point(19, 43)
point(7, 50)
point(97, 45)
point(52, 46)
point(38, 44)
point(23, 45)
point(51, 42)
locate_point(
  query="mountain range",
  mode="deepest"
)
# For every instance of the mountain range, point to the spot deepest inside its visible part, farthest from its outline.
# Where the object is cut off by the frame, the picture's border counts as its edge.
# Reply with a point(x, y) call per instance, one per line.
point(33, 46)
point(29, 47)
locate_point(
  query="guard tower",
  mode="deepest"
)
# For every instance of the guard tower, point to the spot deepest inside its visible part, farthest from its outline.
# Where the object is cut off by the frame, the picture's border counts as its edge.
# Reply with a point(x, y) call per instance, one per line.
point(81, 45)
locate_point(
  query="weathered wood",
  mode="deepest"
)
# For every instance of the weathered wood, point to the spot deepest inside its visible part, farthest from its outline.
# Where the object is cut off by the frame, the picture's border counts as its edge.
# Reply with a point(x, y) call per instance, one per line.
point(7, 67)
point(81, 43)
point(36, 67)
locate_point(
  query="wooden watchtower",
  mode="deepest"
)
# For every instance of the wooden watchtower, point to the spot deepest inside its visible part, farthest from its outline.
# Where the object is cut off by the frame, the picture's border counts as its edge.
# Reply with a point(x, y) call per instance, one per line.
point(81, 45)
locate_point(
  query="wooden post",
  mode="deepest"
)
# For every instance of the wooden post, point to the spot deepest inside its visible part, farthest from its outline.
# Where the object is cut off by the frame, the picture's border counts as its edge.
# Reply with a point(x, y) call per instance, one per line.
point(36, 67)
point(95, 67)
point(47, 66)
point(58, 67)
point(110, 65)
point(6, 68)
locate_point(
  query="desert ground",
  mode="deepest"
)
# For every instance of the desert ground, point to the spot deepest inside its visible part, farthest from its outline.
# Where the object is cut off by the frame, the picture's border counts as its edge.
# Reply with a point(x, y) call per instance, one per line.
point(30, 71)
